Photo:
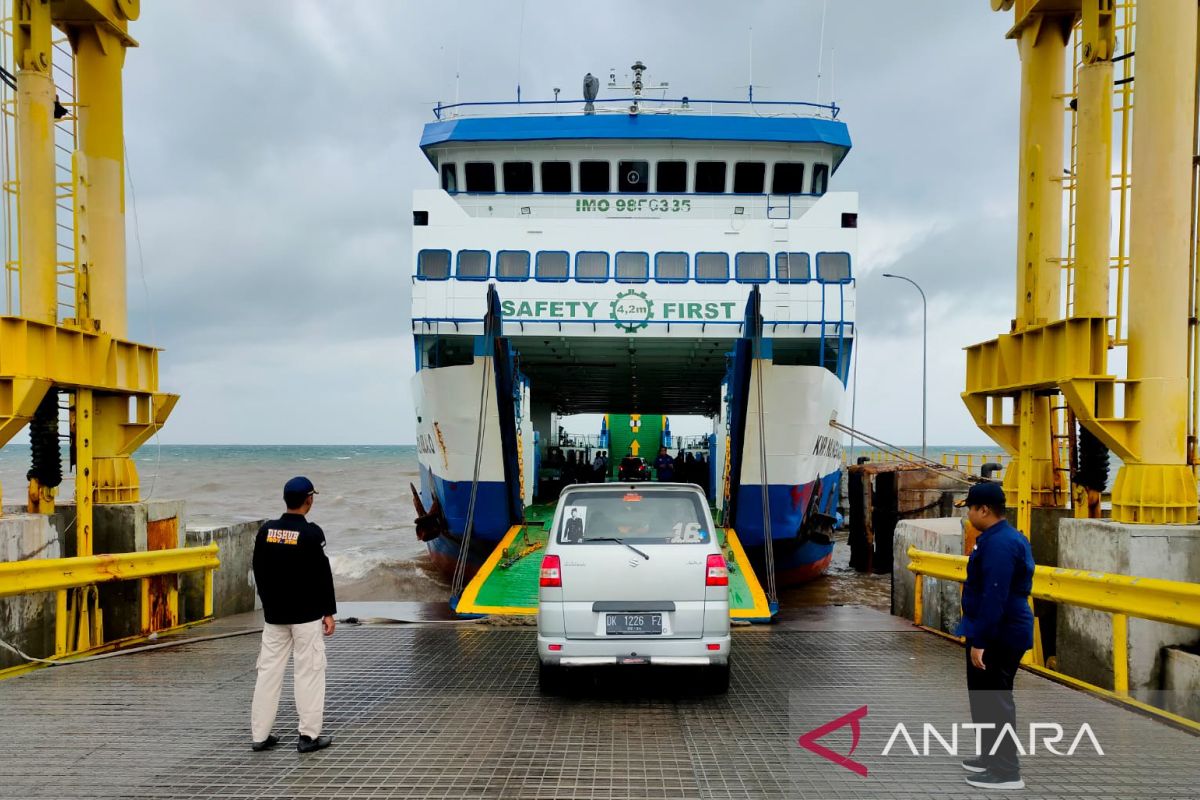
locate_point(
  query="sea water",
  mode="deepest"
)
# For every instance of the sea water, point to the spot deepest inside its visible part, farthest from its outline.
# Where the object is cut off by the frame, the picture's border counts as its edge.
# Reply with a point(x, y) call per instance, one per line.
point(363, 503)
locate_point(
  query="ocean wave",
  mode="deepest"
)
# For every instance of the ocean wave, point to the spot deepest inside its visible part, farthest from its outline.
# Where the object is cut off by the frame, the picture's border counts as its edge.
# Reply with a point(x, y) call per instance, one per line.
point(361, 575)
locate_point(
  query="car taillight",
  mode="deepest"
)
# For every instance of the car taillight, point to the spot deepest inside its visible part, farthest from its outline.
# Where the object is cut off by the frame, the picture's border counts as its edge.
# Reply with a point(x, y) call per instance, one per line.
point(552, 572)
point(718, 573)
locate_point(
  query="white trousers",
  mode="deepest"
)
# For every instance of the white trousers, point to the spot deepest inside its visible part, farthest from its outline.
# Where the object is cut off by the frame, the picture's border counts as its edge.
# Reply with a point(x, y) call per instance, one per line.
point(307, 645)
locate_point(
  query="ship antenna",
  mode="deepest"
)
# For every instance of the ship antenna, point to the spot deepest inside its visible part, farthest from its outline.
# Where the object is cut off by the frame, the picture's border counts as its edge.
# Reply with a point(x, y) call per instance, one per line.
point(638, 68)
point(520, 47)
point(821, 46)
point(750, 86)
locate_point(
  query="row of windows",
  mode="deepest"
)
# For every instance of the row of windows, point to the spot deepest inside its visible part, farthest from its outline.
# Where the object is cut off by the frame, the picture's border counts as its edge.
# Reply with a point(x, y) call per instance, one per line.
point(592, 266)
point(669, 177)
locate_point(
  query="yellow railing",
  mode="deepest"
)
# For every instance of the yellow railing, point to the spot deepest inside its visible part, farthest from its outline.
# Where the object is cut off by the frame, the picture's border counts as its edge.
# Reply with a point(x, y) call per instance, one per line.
point(1123, 596)
point(60, 574)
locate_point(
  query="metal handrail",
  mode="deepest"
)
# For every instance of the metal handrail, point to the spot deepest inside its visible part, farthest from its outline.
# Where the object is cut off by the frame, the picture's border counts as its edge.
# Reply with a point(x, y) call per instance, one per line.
point(52, 574)
point(1123, 596)
point(680, 104)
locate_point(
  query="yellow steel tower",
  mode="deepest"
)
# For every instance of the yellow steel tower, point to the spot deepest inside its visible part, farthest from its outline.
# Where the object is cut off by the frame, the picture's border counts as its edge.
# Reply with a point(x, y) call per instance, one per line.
point(111, 383)
point(1012, 379)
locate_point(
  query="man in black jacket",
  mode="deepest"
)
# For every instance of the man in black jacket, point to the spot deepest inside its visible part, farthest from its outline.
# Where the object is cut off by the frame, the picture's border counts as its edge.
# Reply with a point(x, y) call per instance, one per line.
point(998, 625)
point(296, 586)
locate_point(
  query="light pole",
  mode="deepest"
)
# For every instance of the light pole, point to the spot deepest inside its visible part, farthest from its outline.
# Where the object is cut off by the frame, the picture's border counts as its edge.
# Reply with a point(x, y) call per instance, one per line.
point(924, 356)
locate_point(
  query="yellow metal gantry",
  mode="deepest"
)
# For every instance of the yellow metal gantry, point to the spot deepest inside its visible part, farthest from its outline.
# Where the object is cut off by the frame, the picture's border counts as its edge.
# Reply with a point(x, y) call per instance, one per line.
point(112, 383)
point(1143, 418)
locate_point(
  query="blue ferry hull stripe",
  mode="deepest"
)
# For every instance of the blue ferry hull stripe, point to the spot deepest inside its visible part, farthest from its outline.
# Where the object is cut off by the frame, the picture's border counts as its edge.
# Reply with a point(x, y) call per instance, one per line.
point(789, 504)
point(491, 507)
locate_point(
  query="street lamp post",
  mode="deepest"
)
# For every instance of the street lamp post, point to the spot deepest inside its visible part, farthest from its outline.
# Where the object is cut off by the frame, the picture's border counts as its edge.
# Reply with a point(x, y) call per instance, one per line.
point(924, 356)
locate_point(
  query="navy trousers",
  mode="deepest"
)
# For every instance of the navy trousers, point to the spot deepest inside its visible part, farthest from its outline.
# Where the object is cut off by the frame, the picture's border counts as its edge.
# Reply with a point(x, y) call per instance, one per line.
point(990, 693)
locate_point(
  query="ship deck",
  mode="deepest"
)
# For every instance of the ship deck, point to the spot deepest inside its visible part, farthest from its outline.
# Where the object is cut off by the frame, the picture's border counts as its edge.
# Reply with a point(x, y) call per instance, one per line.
point(507, 583)
point(445, 709)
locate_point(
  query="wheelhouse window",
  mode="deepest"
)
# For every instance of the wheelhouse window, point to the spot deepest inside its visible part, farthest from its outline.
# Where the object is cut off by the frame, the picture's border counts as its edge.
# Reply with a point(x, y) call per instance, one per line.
point(712, 267)
point(518, 177)
point(481, 176)
point(633, 267)
point(593, 176)
point(633, 176)
point(788, 178)
point(473, 265)
point(748, 177)
point(450, 178)
point(820, 179)
point(792, 267)
point(433, 265)
point(671, 177)
point(751, 267)
point(591, 267)
point(551, 265)
point(512, 265)
point(556, 177)
point(671, 267)
point(833, 267)
point(710, 177)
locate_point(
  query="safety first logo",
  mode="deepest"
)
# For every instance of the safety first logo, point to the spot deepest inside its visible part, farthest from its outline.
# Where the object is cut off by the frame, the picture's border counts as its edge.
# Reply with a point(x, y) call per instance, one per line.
point(276, 536)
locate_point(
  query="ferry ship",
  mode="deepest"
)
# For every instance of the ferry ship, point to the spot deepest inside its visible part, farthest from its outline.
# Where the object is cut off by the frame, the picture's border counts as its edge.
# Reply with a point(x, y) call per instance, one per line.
point(633, 256)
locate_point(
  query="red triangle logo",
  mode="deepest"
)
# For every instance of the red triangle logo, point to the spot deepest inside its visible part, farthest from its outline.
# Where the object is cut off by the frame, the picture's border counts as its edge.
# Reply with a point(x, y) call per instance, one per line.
point(809, 741)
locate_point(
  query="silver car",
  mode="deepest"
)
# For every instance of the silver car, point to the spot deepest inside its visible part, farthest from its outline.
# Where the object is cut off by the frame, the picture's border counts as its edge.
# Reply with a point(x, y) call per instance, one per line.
point(633, 574)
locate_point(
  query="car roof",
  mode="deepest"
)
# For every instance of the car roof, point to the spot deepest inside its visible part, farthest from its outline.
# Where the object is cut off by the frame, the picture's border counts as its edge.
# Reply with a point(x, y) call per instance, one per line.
point(638, 486)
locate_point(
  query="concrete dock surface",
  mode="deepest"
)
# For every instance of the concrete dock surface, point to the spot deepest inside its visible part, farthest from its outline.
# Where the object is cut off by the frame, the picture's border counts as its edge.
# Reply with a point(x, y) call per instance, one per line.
point(443, 709)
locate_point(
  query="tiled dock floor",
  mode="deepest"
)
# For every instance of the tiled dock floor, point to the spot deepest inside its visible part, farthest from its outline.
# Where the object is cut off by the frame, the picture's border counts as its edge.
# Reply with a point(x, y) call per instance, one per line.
point(453, 711)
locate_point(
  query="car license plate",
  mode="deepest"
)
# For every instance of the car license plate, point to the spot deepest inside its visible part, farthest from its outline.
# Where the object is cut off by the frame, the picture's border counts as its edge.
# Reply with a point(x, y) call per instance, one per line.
point(634, 624)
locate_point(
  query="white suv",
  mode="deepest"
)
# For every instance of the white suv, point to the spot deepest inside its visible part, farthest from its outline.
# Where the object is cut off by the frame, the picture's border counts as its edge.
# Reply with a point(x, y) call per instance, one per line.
point(633, 574)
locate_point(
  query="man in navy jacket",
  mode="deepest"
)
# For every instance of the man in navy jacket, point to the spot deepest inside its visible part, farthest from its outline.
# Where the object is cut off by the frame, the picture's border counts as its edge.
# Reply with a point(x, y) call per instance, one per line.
point(998, 625)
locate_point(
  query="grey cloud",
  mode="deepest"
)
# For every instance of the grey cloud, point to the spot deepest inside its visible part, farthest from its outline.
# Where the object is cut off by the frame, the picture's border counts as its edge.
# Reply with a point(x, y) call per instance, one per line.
point(273, 146)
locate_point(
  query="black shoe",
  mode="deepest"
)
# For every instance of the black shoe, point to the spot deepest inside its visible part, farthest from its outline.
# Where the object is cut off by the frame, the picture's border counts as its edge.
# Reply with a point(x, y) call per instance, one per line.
point(307, 744)
point(265, 744)
point(975, 764)
point(990, 780)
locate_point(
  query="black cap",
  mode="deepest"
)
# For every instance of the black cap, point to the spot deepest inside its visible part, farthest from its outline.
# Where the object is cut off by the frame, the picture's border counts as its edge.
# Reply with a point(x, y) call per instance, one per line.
point(987, 493)
point(299, 485)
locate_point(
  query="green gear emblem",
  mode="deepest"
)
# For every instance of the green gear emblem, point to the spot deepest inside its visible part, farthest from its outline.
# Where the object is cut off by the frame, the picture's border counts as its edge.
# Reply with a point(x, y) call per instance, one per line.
point(631, 310)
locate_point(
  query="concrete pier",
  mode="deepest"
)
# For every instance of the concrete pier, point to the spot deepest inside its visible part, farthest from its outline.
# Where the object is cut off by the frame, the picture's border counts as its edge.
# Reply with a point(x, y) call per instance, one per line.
point(452, 710)
point(1171, 552)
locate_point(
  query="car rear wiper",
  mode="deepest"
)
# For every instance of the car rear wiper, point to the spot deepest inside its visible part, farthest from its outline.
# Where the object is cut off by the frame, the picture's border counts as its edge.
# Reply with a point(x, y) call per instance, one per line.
point(618, 541)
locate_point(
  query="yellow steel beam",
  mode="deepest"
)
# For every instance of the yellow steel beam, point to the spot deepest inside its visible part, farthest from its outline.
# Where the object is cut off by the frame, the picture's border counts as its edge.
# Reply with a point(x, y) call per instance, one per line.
point(73, 358)
point(53, 574)
point(1159, 486)
point(1174, 602)
point(1094, 119)
point(82, 429)
point(98, 33)
point(32, 44)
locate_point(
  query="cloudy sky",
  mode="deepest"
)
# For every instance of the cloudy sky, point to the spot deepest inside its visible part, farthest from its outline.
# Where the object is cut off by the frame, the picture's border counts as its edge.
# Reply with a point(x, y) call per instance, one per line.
point(273, 153)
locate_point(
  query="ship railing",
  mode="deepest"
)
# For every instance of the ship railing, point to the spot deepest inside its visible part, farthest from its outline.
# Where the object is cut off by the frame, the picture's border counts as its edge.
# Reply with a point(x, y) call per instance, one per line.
point(1122, 596)
point(646, 105)
point(62, 574)
point(973, 462)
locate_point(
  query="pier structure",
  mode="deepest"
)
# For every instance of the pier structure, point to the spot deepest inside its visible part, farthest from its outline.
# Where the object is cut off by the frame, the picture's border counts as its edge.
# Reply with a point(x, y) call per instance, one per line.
point(1102, 354)
point(66, 361)
point(425, 707)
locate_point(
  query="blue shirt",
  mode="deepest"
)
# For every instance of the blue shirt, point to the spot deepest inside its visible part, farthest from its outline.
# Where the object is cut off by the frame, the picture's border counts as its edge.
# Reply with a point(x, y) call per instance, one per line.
point(995, 598)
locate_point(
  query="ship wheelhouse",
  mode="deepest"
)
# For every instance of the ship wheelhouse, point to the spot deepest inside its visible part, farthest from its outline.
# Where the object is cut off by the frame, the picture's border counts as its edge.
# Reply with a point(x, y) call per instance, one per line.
point(600, 230)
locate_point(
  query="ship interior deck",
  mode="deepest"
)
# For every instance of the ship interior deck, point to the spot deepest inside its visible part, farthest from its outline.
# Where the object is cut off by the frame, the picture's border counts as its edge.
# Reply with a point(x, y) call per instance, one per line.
point(507, 583)
point(446, 709)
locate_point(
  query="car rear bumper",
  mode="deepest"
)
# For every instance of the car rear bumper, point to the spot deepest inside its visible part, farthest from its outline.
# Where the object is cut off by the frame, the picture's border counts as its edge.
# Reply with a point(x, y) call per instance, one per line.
point(599, 652)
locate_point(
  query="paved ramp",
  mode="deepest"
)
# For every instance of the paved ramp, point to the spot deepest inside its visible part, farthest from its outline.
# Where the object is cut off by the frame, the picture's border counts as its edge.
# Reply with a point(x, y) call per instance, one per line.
point(452, 710)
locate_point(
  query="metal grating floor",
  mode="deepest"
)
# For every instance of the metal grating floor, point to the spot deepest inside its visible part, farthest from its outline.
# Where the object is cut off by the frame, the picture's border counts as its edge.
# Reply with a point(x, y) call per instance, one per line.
point(453, 711)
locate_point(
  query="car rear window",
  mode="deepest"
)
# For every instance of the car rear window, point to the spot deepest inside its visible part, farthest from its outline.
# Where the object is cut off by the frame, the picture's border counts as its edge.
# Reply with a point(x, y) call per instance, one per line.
point(647, 516)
